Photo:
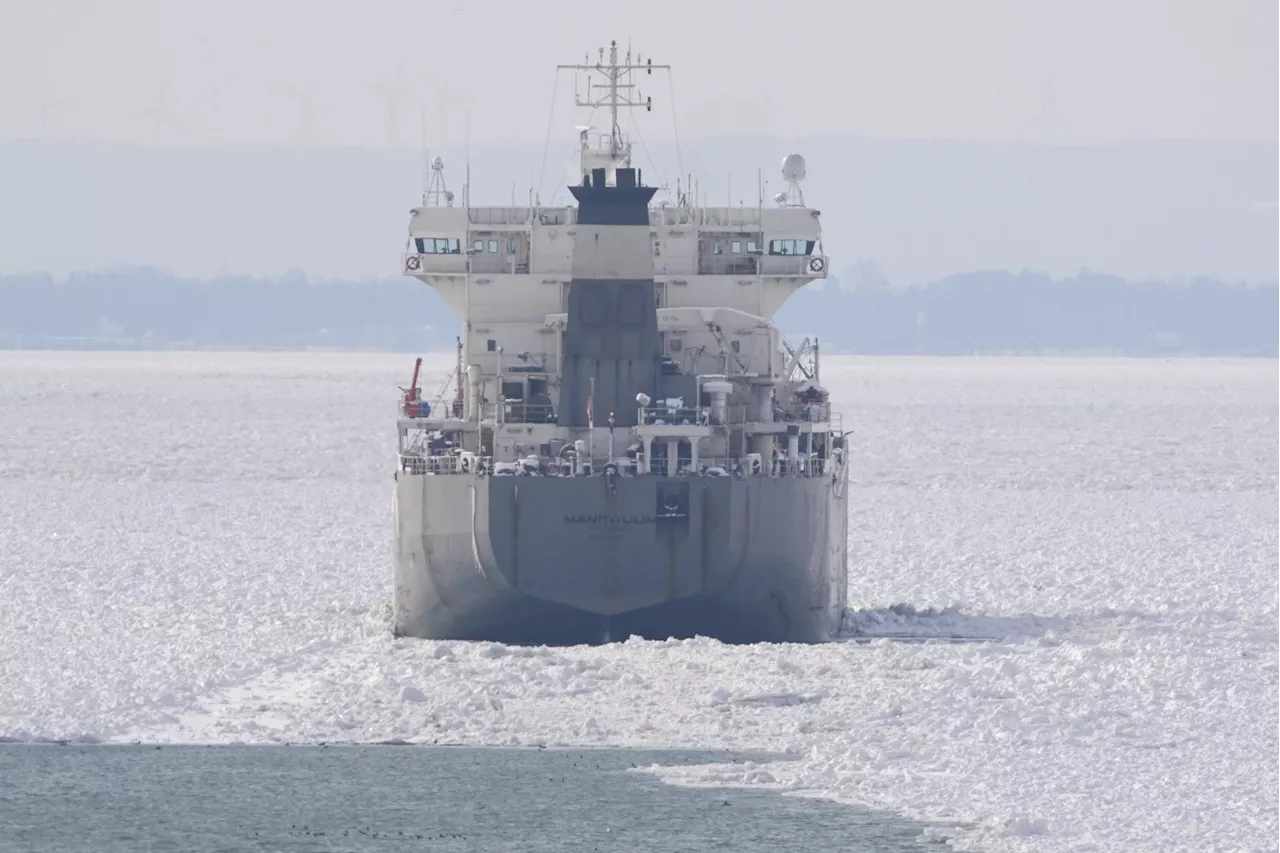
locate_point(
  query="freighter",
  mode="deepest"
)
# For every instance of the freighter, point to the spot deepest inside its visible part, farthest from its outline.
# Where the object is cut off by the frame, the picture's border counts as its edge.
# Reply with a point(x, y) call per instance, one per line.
point(631, 447)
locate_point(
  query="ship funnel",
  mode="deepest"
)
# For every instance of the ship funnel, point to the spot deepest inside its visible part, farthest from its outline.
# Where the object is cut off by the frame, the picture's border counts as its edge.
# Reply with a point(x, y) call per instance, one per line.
point(611, 350)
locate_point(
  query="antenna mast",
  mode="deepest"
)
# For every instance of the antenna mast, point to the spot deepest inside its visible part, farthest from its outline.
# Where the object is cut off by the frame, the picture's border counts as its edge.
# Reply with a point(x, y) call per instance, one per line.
point(616, 92)
point(426, 164)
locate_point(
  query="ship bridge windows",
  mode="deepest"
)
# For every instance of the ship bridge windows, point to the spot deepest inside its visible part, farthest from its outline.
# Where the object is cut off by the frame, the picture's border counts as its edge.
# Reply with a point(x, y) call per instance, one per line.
point(726, 254)
point(791, 247)
point(438, 245)
point(525, 400)
point(493, 247)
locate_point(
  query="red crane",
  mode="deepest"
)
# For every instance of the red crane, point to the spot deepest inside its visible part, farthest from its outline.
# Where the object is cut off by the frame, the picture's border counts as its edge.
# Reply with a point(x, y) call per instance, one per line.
point(412, 405)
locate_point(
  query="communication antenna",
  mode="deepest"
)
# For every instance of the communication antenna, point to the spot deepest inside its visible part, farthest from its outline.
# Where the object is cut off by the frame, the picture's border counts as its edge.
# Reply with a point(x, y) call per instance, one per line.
point(436, 193)
point(616, 92)
point(793, 173)
point(426, 186)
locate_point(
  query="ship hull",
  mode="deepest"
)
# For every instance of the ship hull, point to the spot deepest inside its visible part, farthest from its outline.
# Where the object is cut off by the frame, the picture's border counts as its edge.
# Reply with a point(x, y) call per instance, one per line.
point(567, 560)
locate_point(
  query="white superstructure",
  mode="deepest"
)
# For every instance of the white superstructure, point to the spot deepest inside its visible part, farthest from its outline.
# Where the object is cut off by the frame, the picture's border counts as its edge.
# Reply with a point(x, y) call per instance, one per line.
point(720, 274)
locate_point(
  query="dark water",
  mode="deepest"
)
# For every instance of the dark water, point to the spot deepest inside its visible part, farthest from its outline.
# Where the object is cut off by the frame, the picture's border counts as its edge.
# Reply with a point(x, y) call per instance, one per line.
point(128, 799)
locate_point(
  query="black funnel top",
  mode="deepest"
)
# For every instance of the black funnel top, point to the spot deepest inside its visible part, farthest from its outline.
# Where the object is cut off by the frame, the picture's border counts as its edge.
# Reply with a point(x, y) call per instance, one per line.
point(624, 204)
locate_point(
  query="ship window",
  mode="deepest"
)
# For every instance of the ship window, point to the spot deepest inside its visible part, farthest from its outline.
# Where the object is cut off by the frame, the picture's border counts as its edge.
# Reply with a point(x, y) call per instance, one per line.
point(717, 248)
point(735, 246)
point(736, 346)
point(418, 241)
point(790, 247)
point(493, 246)
point(513, 390)
point(491, 345)
point(675, 345)
point(438, 245)
point(478, 245)
point(751, 246)
point(511, 246)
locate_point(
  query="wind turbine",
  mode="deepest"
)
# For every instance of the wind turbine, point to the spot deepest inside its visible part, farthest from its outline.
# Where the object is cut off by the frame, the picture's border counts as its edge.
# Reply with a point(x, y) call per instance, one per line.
point(306, 117)
point(161, 115)
point(392, 92)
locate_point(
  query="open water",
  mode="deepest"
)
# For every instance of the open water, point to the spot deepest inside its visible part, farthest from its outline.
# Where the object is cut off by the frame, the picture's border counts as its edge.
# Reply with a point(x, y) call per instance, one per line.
point(192, 799)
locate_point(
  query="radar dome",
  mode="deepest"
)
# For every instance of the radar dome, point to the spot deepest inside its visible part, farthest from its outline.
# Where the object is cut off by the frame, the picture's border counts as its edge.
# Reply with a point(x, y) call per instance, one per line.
point(437, 163)
point(793, 168)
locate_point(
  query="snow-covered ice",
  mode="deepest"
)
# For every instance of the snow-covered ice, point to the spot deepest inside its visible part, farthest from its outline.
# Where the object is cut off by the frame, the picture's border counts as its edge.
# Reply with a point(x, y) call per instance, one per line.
point(194, 547)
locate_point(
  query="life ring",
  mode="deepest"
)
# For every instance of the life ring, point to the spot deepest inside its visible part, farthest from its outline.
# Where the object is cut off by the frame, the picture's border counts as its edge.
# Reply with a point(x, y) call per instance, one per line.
point(413, 263)
point(817, 265)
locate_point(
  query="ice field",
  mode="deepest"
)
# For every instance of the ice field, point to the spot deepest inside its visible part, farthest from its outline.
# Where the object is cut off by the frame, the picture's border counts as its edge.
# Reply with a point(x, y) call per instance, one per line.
point(194, 547)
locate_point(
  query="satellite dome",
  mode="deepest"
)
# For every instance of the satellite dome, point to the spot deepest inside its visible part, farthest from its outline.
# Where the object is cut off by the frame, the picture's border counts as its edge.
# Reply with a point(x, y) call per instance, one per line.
point(793, 168)
point(437, 163)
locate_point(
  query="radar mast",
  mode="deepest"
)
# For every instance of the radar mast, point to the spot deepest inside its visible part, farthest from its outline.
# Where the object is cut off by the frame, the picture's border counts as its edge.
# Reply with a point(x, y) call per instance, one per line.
point(617, 92)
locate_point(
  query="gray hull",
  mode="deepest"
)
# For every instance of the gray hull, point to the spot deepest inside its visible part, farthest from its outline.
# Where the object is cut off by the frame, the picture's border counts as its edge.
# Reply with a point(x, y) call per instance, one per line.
point(565, 560)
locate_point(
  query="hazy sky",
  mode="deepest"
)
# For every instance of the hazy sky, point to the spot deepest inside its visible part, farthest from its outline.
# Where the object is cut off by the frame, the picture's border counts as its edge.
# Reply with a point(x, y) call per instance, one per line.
point(342, 73)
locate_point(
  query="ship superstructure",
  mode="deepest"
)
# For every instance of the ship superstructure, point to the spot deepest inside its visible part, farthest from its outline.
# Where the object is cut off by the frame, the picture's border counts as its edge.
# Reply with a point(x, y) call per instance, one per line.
point(630, 446)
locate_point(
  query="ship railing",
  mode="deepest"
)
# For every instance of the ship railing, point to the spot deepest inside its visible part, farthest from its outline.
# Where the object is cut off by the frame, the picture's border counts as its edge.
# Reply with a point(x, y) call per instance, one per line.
point(677, 415)
point(499, 215)
point(520, 412)
point(555, 216)
point(439, 408)
point(748, 466)
point(745, 466)
point(520, 215)
point(434, 461)
point(729, 217)
point(671, 216)
point(449, 461)
point(804, 413)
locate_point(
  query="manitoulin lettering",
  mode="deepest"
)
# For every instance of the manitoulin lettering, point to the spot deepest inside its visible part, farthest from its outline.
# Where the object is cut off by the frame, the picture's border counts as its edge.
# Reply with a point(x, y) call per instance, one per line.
point(610, 519)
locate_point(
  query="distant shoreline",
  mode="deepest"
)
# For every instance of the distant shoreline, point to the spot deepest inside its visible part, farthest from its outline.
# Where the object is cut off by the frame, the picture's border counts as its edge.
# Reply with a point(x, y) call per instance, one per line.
point(111, 347)
point(980, 313)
